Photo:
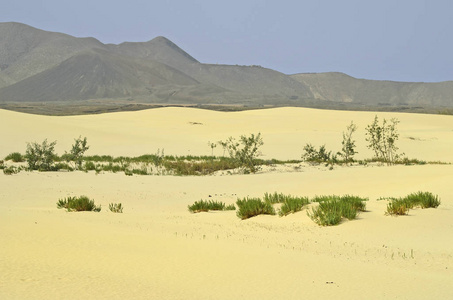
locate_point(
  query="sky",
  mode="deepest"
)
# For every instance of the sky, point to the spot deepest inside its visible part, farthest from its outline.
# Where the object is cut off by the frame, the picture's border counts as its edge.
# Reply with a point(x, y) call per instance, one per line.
point(398, 40)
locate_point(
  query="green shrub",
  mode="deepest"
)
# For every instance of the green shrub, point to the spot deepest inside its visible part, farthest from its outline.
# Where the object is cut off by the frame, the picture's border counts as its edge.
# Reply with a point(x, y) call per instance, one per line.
point(398, 207)
point(245, 151)
point(422, 199)
point(332, 208)
point(40, 156)
point(274, 198)
point(250, 207)
point(382, 138)
point(116, 207)
point(82, 203)
point(15, 157)
point(318, 156)
point(204, 206)
point(328, 213)
point(77, 151)
point(11, 170)
point(292, 205)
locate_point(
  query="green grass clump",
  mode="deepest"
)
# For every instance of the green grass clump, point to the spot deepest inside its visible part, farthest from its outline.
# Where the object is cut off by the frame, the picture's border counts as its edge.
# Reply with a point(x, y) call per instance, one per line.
point(398, 207)
point(116, 208)
point(275, 197)
point(250, 207)
point(422, 199)
point(332, 209)
point(328, 213)
point(82, 203)
point(204, 206)
point(292, 205)
point(15, 157)
point(11, 170)
point(401, 206)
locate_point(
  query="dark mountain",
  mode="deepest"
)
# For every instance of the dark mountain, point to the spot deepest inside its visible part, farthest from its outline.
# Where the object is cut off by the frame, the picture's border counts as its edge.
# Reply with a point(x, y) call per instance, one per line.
point(96, 74)
point(40, 66)
point(343, 88)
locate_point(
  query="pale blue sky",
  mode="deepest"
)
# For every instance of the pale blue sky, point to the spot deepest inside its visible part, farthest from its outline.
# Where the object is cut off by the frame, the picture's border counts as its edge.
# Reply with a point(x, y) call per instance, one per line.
point(401, 40)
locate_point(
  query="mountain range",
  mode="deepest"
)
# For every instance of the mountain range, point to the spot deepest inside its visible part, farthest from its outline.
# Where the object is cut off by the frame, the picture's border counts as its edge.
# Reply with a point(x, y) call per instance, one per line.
point(38, 66)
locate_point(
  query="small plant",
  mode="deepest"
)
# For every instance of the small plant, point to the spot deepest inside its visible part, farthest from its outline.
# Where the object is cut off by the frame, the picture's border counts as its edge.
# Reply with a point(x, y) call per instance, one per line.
point(245, 151)
point(10, 170)
point(398, 207)
point(382, 139)
point(77, 151)
point(250, 207)
point(82, 203)
point(348, 149)
point(401, 206)
point(332, 208)
point(15, 157)
point(292, 205)
point(274, 198)
point(204, 206)
point(318, 156)
point(422, 199)
point(116, 208)
point(40, 156)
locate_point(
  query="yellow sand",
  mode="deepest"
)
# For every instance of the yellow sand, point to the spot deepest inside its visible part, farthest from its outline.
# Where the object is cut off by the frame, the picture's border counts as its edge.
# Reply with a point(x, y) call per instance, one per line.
point(156, 249)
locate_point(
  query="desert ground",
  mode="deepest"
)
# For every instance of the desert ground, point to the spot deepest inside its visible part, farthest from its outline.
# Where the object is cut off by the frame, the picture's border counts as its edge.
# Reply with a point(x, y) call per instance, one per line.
point(156, 249)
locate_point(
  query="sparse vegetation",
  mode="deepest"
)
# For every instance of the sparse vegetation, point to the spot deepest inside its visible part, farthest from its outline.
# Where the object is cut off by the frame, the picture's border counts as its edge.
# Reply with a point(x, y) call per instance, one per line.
point(332, 209)
point(77, 151)
point(250, 207)
point(245, 151)
point(11, 170)
point(40, 156)
point(116, 208)
point(292, 205)
point(15, 157)
point(348, 149)
point(401, 206)
point(382, 139)
point(82, 203)
point(204, 206)
point(318, 156)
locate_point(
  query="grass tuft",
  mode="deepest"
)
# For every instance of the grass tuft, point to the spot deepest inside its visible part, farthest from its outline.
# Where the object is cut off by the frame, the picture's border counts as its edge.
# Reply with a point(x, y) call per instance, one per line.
point(292, 205)
point(250, 207)
point(332, 209)
point(82, 203)
point(116, 208)
point(204, 206)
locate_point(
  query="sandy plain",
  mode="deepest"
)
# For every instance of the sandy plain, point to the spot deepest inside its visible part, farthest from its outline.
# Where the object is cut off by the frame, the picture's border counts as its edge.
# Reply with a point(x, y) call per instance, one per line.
point(156, 249)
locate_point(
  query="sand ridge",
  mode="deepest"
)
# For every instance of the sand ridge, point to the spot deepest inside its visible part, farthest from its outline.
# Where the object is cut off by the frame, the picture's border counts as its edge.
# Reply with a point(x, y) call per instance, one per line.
point(157, 249)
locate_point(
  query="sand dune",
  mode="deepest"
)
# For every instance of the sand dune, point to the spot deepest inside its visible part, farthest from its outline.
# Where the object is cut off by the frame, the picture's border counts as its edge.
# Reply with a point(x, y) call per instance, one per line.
point(156, 249)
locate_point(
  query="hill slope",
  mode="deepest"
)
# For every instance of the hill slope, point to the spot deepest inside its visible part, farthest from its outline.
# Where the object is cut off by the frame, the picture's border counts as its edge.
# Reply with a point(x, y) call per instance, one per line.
point(39, 66)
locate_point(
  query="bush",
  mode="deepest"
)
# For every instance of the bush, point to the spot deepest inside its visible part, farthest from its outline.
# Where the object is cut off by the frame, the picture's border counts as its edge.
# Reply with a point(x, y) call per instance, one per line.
point(10, 170)
point(82, 203)
point(245, 151)
point(250, 207)
point(116, 207)
point(15, 157)
point(40, 157)
point(348, 149)
point(292, 205)
point(318, 156)
point(204, 206)
point(77, 151)
point(382, 139)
